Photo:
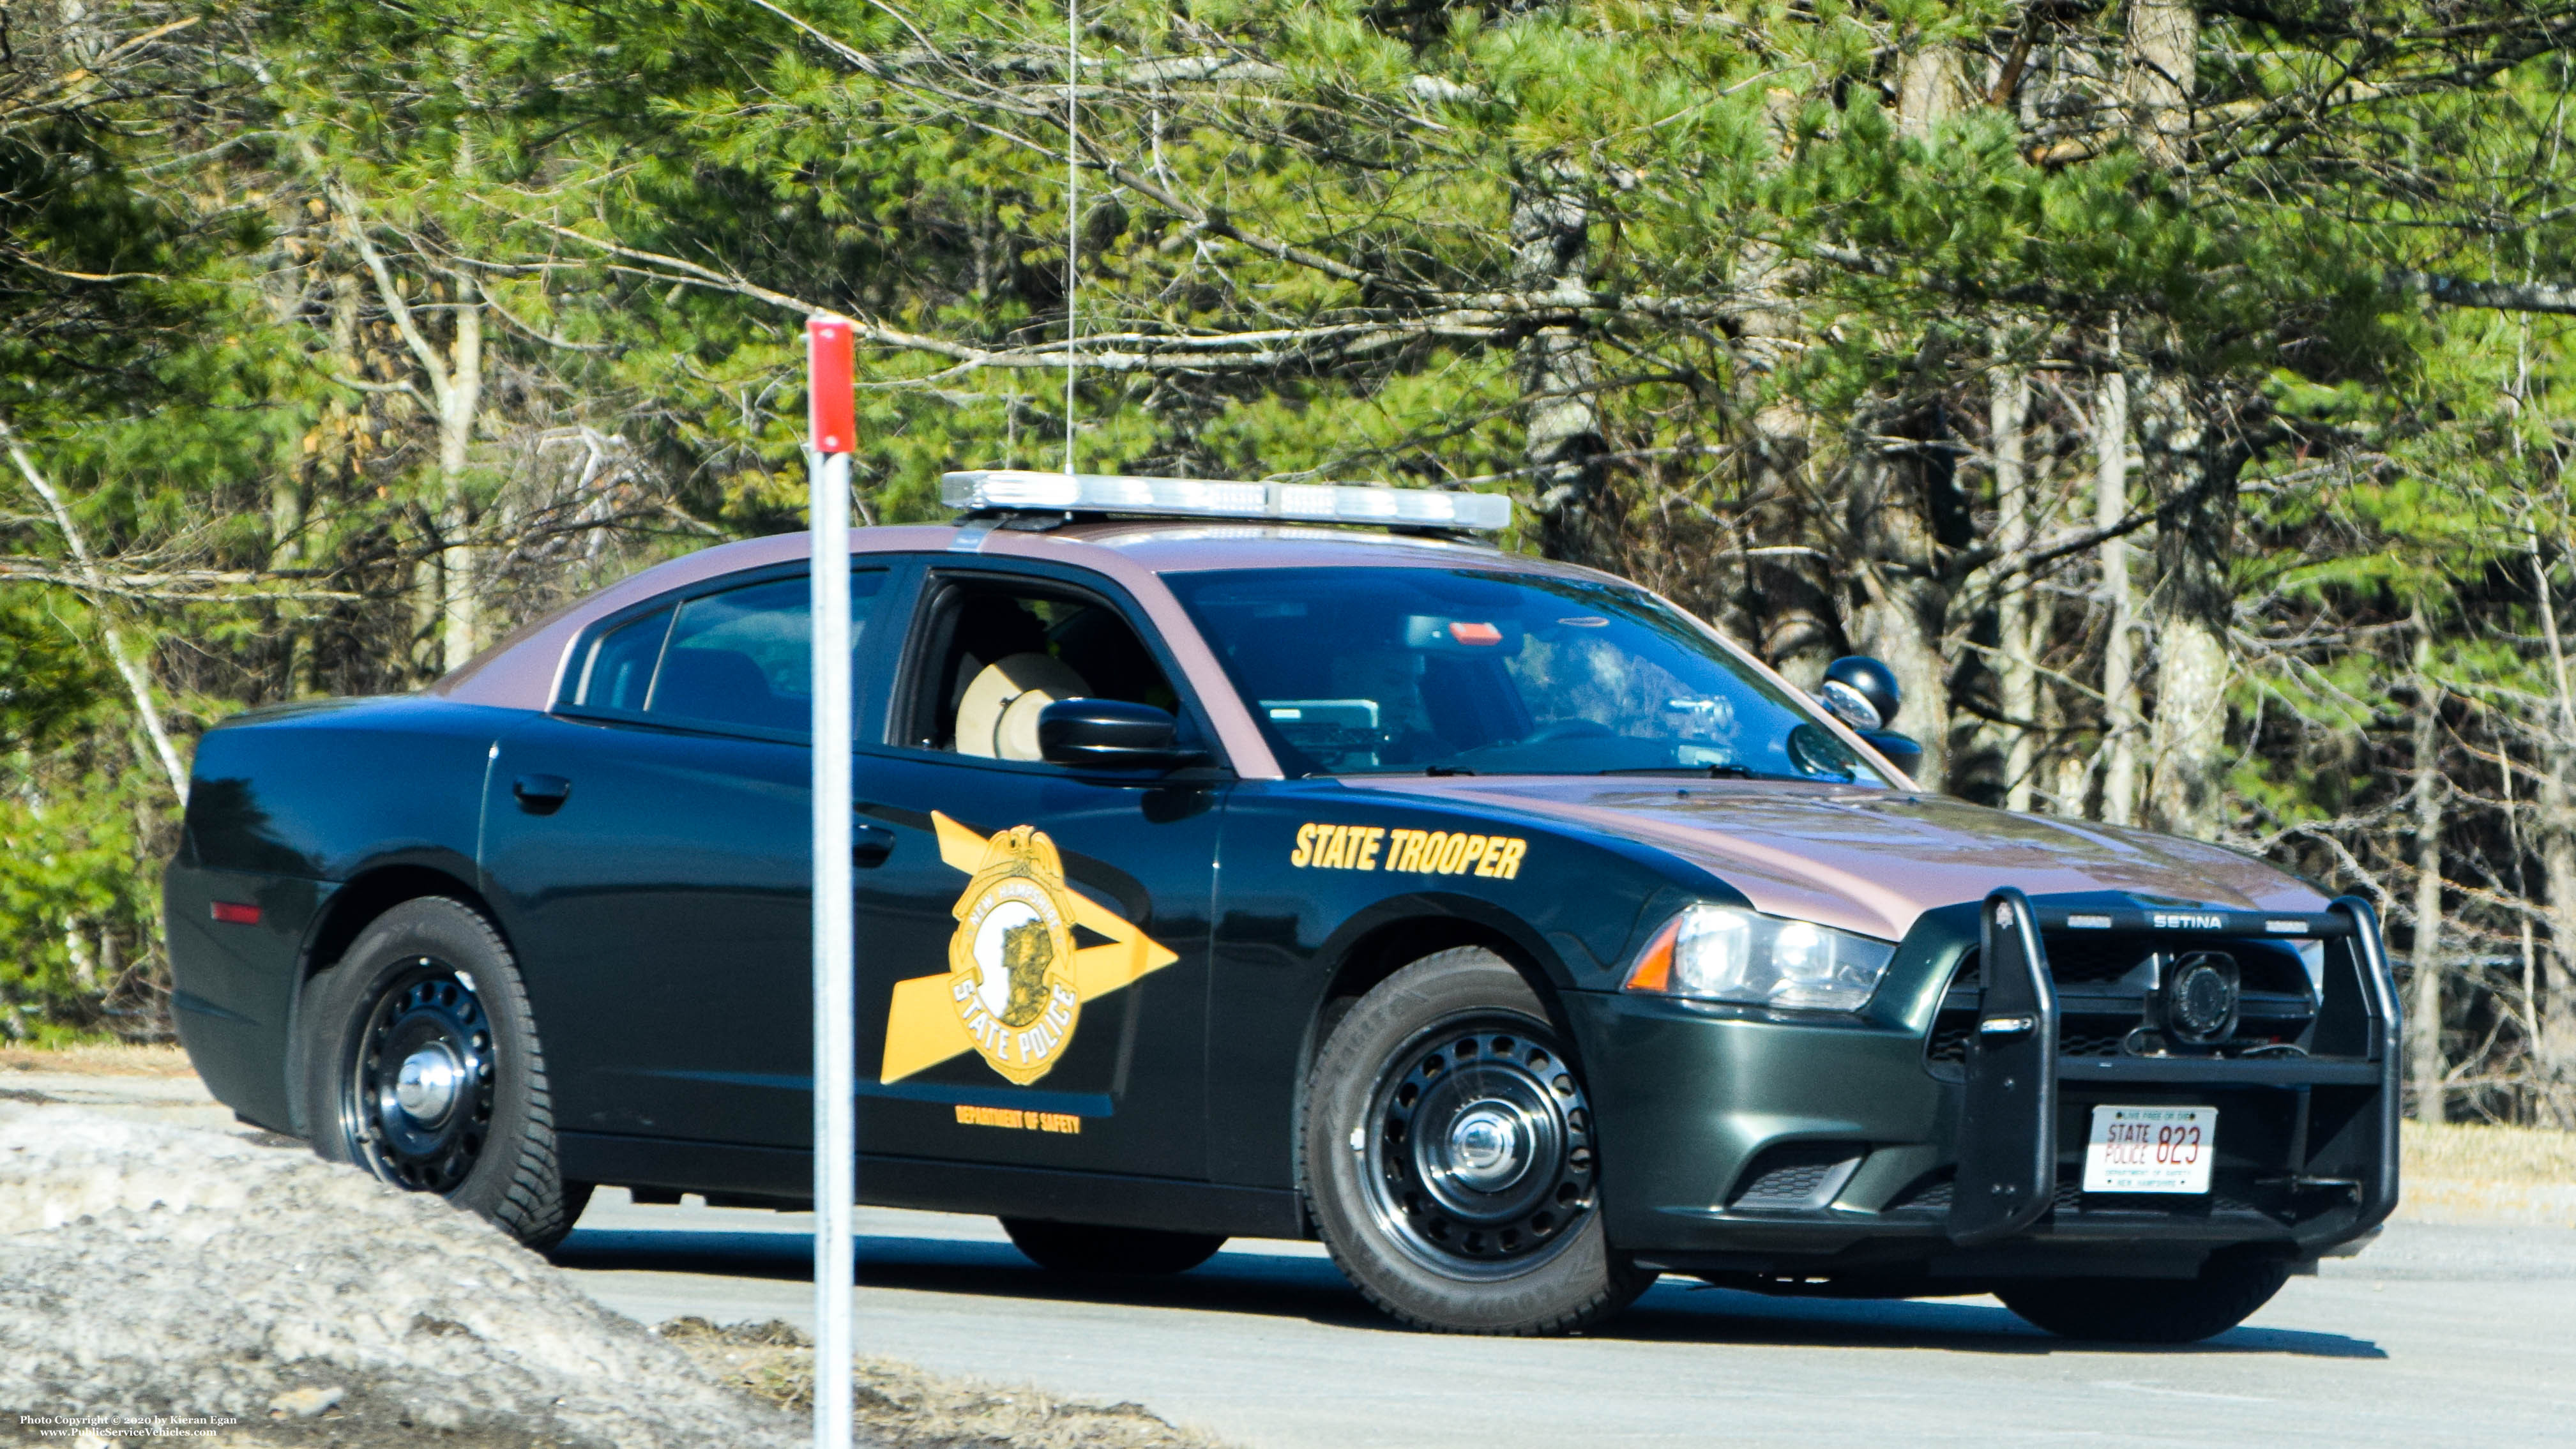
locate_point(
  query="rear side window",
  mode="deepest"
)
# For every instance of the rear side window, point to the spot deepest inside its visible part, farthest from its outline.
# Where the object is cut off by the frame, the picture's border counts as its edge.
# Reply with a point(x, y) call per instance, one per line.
point(741, 657)
point(738, 658)
point(619, 674)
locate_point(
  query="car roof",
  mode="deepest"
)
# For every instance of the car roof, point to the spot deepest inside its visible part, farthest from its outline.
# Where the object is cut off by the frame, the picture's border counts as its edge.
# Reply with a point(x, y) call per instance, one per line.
point(520, 672)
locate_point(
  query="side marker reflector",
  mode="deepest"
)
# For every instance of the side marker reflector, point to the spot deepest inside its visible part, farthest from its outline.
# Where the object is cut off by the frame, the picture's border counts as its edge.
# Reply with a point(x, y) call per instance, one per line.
point(236, 913)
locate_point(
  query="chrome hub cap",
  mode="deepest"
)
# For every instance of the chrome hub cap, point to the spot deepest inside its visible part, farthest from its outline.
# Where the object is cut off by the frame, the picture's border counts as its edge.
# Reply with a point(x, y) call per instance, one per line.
point(1486, 1147)
point(425, 1088)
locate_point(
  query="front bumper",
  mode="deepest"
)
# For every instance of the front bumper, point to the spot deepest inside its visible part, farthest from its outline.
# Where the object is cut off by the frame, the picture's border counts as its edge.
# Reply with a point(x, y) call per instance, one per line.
point(1742, 1143)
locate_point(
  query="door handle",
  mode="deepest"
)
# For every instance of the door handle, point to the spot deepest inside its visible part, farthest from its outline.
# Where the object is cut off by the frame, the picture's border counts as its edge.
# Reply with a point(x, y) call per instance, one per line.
point(541, 794)
point(870, 845)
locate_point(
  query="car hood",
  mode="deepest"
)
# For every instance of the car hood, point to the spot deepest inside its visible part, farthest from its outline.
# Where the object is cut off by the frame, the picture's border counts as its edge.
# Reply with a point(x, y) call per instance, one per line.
point(1873, 860)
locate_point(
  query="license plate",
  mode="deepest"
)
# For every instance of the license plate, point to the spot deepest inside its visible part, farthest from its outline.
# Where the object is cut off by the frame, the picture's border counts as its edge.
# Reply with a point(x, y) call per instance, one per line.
point(2150, 1149)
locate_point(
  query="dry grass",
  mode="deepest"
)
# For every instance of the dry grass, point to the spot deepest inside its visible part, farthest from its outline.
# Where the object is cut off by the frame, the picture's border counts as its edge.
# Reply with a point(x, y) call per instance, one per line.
point(905, 1408)
point(99, 1059)
point(2459, 1173)
point(2508, 1154)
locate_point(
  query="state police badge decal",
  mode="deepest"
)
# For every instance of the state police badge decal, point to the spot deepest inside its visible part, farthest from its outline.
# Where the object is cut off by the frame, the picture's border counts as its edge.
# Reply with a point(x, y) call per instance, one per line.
point(1015, 984)
point(1010, 961)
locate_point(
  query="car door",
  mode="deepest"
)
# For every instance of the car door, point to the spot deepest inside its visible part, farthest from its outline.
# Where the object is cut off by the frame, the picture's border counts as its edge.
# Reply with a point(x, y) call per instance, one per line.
point(648, 846)
point(1033, 954)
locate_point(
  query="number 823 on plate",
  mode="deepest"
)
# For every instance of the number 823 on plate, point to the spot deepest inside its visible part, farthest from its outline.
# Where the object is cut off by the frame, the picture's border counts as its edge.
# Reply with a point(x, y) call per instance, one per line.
point(2150, 1149)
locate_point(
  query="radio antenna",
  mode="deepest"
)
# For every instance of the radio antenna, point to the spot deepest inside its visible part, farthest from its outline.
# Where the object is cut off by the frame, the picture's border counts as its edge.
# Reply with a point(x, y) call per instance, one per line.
point(1072, 216)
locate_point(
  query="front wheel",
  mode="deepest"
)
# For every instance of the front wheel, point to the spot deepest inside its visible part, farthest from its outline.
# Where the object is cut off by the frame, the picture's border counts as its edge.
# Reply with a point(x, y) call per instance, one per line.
point(421, 1066)
point(2149, 1310)
point(1450, 1161)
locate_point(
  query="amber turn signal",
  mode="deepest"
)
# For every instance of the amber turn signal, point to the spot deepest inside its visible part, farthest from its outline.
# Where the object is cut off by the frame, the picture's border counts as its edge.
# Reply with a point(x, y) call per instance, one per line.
point(1654, 968)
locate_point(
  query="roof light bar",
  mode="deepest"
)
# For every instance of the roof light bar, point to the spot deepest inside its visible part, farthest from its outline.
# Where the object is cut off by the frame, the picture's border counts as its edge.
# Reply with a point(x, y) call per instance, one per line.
point(989, 489)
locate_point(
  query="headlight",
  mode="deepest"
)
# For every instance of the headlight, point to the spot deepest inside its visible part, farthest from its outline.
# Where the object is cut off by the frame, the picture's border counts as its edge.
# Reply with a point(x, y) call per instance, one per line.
point(1720, 953)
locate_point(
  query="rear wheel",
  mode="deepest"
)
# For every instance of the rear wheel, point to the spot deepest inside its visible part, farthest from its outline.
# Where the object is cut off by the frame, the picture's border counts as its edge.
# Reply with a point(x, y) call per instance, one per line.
point(1449, 1157)
point(1082, 1248)
point(2149, 1310)
point(421, 1065)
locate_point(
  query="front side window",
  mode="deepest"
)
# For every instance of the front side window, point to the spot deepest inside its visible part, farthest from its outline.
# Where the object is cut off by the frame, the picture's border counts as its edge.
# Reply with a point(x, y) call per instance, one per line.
point(1360, 671)
point(739, 657)
point(995, 654)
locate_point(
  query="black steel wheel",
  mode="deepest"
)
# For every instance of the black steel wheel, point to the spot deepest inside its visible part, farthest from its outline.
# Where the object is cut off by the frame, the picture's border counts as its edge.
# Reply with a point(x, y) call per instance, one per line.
point(421, 1066)
point(416, 1104)
point(1449, 1157)
point(1480, 1148)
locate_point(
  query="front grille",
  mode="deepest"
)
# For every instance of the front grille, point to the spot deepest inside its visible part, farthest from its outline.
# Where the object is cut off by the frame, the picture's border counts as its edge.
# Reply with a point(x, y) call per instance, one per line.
point(2102, 998)
point(2087, 958)
point(2072, 1043)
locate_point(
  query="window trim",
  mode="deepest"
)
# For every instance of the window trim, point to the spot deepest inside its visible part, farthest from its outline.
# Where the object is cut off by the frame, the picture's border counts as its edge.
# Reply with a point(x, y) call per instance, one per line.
point(578, 661)
point(928, 598)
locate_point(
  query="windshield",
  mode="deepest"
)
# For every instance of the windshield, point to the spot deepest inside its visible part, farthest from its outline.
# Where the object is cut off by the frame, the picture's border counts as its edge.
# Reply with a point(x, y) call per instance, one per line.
point(1403, 670)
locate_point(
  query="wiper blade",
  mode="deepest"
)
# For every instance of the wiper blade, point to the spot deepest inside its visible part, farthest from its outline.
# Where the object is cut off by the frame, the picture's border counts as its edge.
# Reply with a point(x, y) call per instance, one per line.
point(1698, 772)
point(1437, 771)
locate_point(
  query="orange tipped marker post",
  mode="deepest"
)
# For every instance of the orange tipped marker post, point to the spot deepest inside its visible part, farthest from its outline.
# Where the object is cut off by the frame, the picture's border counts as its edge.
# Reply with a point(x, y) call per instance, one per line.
point(833, 432)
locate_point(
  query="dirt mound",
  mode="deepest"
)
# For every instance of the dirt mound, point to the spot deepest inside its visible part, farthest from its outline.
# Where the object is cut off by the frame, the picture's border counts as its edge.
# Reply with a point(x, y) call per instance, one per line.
point(153, 1270)
point(906, 1408)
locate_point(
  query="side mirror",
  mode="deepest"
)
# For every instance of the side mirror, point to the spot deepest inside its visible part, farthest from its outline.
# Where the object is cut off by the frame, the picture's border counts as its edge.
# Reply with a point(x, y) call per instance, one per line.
point(1861, 692)
point(1111, 732)
point(1903, 751)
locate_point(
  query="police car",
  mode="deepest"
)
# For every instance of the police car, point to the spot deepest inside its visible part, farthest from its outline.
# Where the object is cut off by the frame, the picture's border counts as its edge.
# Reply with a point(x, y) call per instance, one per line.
point(1262, 860)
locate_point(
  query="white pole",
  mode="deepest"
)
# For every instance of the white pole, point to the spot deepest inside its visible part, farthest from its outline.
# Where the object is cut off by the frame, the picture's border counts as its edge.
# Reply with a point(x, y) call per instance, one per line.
point(836, 1168)
point(1072, 217)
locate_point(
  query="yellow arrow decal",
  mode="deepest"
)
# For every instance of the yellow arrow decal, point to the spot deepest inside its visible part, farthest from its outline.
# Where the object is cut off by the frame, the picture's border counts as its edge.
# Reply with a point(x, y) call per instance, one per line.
point(1014, 987)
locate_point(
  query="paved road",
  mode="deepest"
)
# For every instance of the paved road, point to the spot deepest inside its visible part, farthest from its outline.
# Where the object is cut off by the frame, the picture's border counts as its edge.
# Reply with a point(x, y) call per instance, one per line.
point(2437, 1335)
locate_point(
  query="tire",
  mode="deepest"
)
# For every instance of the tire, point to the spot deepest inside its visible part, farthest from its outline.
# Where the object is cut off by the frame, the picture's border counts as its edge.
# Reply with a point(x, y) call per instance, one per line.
point(430, 983)
point(1082, 1248)
point(1447, 1157)
point(2149, 1310)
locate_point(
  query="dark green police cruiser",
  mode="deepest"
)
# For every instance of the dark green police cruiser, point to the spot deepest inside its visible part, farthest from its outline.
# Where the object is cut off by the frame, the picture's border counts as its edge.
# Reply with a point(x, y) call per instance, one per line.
point(1265, 860)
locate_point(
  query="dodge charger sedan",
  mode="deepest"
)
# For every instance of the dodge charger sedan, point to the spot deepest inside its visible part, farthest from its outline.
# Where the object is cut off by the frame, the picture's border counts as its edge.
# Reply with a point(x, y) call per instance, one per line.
point(1247, 860)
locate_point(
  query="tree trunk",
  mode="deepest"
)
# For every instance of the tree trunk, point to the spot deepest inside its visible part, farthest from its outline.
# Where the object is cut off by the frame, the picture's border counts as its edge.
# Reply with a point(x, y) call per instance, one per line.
point(2558, 862)
point(457, 407)
point(1928, 89)
point(2162, 62)
point(1904, 603)
point(2424, 1023)
point(2119, 648)
point(2190, 609)
point(135, 670)
point(1799, 633)
point(1563, 447)
point(2557, 1047)
point(2008, 411)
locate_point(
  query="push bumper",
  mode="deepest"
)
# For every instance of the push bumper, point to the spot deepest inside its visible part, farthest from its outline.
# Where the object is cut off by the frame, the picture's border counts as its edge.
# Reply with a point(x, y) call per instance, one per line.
point(1742, 1143)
